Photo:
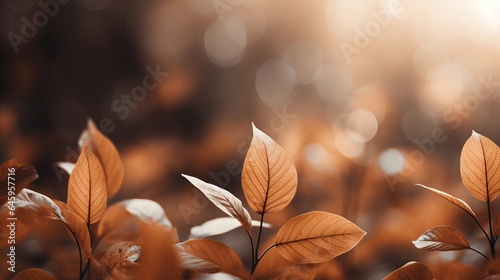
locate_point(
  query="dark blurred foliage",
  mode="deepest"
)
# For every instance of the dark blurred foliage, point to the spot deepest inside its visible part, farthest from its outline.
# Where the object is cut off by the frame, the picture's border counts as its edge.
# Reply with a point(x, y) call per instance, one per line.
point(358, 122)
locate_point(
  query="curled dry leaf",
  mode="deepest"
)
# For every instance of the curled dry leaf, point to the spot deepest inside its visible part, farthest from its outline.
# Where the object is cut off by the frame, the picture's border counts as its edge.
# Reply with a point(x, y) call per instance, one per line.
point(224, 200)
point(219, 226)
point(66, 166)
point(34, 274)
point(24, 175)
point(479, 167)
point(121, 254)
point(496, 225)
point(42, 205)
point(107, 154)
point(411, 271)
point(269, 178)
point(210, 256)
point(87, 188)
point(443, 238)
point(457, 201)
point(316, 237)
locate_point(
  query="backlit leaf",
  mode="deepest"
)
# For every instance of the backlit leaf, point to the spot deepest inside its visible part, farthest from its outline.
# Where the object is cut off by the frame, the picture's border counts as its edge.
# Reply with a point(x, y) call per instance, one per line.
point(496, 225)
point(30, 200)
point(411, 271)
point(479, 167)
point(316, 237)
point(224, 200)
point(66, 166)
point(87, 188)
point(210, 256)
point(269, 178)
point(34, 274)
point(121, 254)
point(22, 176)
point(443, 238)
point(107, 154)
point(79, 228)
point(147, 210)
point(219, 226)
point(457, 201)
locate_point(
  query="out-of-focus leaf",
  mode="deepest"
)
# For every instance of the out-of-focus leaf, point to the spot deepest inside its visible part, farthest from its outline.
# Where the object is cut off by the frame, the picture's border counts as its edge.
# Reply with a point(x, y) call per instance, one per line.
point(210, 256)
point(316, 237)
point(87, 188)
point(34, 274)
point(30, 200)
point(457, 201)
point(225, 201)
point(305, 271)
point(494, 267)
point(107, 154)
point(219, 226)
point(411, 271)
point(496, 225)
point(79, 228)
point(269, 178)
point(24, 175)
point(147, 210)
point(443, 238)
point(121, 254)
point(66, 166)
point(479, 167)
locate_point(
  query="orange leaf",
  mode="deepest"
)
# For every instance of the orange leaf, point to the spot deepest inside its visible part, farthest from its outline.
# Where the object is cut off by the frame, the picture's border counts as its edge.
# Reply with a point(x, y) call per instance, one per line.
point(411, 271)
point(479, 167)
point(87, 188)
point(121, 254)
point(443, 238)
point(305, 271)
point(316, 237)
point(496, 225)
point(79, 228)
point(210, 256)
point(225, 201)
point(269, 178)
point(107, 154)
point(457, 201)
point(23, 176)
point(34, 274)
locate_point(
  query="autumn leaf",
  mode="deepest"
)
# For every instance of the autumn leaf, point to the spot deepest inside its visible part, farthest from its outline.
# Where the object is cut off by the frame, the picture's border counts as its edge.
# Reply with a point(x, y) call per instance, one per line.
point(269, 178)
point(107, 154)
point(78, 227)
point(147, 210)
point(496, 225)
point(443, 238)
point(225, 201)
point(23, 176)
point(41, 205)
point(87, 188)
point(219, 226)
point(305, 271)
point(479, 165)
point(457, 201)
point(121, 254)
point(34, 274)
point(411, 271)
point(316, 237)
point(210, 256)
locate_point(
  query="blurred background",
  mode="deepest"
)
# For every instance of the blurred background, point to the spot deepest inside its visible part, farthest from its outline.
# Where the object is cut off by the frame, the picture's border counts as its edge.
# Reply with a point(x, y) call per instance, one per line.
point(368, 97)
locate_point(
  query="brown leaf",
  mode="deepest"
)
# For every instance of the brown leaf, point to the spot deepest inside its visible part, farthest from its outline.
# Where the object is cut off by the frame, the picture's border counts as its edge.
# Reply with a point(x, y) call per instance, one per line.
point(496, 225)
point(305, 271)
point(316, 237)
point(269, 178)
point(79, 228)
point(42, 205)
point(443, 238)
point(23, 176)
point(34, 274)
point(219, 226)
point(107, 154)
point(210, 256)
point(87, 188)
point(225, 201)
point(457, 201)
point(121, 254)
point(479, 167)
point(411, 271)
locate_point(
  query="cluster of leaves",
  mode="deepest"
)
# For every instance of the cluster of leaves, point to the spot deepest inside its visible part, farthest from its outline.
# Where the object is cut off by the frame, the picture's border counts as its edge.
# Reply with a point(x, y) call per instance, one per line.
point(480, 172)
point(269, 182)
point(110, 240)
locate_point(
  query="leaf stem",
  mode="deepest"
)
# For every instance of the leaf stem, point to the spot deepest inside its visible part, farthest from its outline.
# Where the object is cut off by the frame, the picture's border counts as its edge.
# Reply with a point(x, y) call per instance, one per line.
point(492, 239)
point(479, 253)
point(256, 258)
point(251, 246)
point(78, 245)
point(265, 251)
